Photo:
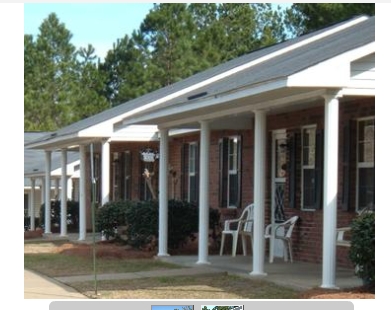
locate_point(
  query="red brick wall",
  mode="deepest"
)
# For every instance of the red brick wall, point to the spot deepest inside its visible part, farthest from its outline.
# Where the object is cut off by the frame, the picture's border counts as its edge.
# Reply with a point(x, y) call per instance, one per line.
point(307, 236)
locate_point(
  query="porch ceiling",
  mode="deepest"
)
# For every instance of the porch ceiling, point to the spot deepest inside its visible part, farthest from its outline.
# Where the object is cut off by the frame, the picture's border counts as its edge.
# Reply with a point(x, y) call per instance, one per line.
point(226, 106)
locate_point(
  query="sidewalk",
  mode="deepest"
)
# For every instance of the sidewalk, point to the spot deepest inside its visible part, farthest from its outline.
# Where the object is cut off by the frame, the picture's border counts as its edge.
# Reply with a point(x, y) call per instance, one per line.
point(40, 287)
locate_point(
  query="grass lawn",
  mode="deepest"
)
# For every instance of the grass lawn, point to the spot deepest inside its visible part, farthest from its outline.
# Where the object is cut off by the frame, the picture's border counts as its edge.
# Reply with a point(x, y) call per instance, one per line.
point(64, 259)
point(184, 287)
point(56, 265)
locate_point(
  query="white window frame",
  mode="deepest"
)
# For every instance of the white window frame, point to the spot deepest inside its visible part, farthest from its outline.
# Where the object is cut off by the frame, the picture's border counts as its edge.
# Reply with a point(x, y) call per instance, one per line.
point(361, 164)
point(232, 154)
point(303, 167)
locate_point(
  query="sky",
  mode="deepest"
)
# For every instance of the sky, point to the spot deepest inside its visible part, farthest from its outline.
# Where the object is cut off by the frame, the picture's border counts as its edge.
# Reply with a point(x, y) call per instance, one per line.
point(98, 24)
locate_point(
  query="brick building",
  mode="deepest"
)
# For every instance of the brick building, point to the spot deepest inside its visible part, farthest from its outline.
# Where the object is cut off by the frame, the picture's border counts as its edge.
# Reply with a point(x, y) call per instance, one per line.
point(289, 128)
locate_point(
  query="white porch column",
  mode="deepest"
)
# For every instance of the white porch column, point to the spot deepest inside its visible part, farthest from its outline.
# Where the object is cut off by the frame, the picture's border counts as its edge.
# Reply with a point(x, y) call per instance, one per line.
point(203, 230)
point(32, 205)
point(163, 193)
point(330, 189)
point(82, 193)
point(48, 168)
point(259, 193)
point(69, 189)
point(64, 211)
point(105, 167)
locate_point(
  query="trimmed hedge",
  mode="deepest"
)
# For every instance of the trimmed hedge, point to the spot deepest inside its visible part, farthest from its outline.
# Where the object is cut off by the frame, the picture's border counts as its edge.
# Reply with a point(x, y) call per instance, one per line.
point(72, 215)
point(142, 221)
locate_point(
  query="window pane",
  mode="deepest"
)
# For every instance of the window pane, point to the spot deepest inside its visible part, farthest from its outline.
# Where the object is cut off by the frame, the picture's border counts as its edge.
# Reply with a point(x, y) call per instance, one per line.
point(233, 190)
point(192, 189)
point(232, 154)
point(309, 146)
point(366, 141)
point(308, 188)
point(366, 187)
point(280, 158)
point(192, 158)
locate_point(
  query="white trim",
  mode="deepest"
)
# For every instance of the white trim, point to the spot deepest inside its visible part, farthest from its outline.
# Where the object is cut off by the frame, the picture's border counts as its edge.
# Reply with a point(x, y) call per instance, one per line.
point(237, 109)
point(364, 164)
point(334, 72)
point(276, 135)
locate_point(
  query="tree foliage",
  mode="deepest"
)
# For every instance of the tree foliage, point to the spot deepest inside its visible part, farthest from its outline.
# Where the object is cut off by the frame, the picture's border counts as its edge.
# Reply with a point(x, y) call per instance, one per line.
point(306, 17)
point(59, 88)
point(175, 40)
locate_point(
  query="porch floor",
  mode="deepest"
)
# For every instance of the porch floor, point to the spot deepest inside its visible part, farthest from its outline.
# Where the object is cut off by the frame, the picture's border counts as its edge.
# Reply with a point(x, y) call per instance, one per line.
point(296, 275)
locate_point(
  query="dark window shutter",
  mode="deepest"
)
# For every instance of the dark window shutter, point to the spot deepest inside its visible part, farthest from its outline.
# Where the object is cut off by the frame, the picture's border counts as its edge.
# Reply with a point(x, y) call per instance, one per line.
point(294, 166)
point(197, 171)
point(319, 147)
point(223, 172)
point(185, 170)
point(345, 201)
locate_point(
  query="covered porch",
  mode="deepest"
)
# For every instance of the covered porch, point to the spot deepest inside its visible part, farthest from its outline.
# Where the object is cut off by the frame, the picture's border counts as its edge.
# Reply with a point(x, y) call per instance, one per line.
point(298, 275)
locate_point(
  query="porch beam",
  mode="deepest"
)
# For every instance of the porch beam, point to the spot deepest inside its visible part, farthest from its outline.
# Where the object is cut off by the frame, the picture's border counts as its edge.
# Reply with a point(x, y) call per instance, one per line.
point(48, 168)
point(32, 205)
point(330, 190)
point(105, 167)
point(203, 230)
point(163, 193)
point(259, 193)
point(82, 193)
point(64, 211)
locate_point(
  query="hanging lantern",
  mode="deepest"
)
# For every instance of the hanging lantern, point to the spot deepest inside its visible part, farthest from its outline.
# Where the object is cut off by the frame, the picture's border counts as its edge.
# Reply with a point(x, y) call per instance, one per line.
point(148, 155)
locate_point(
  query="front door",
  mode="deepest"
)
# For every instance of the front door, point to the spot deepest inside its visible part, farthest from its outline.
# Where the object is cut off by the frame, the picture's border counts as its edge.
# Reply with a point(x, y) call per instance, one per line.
point(279, 155)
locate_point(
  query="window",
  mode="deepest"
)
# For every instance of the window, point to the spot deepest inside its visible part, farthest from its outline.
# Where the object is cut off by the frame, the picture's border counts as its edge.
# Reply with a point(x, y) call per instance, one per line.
point(189, 175)
point(230, 172)
point(308, 197)
point(365, 163)
point(192, 173)
point(127, 176)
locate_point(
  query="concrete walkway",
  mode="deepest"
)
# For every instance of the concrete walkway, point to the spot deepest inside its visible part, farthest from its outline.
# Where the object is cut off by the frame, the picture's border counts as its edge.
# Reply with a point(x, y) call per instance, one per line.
point(37, 286)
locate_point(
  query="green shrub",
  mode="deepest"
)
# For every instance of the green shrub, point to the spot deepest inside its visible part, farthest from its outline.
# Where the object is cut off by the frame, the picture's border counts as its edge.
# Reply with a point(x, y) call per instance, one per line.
point(72, 215)
point(182, 223)
point(142, 219)
point(143, 223)
point(362, 250)
point(110, 216)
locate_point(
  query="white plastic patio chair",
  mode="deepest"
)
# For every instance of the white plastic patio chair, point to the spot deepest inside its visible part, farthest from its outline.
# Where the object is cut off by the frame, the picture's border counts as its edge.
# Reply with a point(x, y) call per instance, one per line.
point(286, 238)
point(242, 226)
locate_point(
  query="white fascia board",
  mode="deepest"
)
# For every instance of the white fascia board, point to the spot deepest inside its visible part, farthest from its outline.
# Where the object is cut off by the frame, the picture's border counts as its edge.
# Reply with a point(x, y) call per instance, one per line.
point(365, 92)
point(101, 130)
point(136, 133)
point(263, 105)
point(333, 73)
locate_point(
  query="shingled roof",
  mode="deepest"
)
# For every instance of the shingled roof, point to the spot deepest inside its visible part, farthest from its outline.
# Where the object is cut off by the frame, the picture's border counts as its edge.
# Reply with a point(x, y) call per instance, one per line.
point(301, 53)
